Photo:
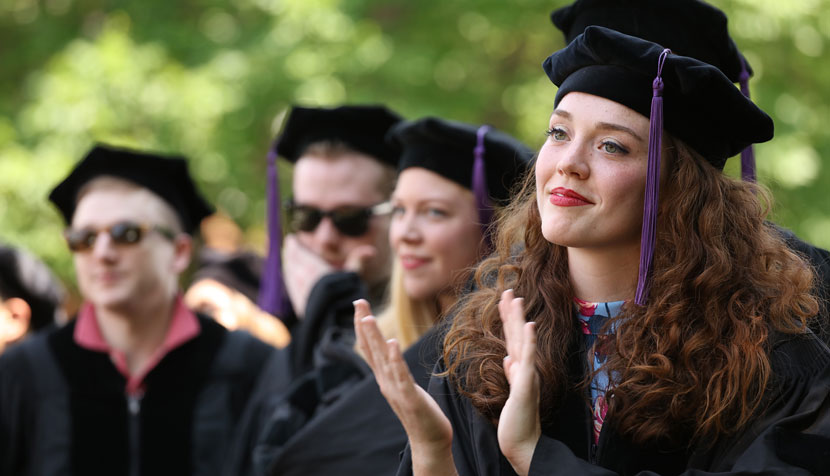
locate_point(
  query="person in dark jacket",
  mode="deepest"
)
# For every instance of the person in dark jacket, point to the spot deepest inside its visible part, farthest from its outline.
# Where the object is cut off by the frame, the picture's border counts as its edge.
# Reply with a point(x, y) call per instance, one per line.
point(333, 420)
point(653, 322)
point(137, 384)
point(31, 298)
point(699, 30)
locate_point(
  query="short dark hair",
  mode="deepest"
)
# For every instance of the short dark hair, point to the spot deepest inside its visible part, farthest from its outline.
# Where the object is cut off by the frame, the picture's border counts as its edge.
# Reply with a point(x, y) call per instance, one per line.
point(333, 148)
point(24, 276)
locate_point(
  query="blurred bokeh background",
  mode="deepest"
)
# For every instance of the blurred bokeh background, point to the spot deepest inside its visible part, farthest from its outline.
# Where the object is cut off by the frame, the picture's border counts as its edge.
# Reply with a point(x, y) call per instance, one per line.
point(213, 79)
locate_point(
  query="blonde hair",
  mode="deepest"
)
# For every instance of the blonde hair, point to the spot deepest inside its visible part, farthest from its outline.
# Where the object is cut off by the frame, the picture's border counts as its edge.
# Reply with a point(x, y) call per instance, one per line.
point(404, 318)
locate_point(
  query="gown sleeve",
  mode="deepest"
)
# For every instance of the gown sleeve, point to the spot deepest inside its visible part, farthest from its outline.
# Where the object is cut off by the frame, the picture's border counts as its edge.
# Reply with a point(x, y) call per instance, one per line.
point(475, 446)
point(329, 306)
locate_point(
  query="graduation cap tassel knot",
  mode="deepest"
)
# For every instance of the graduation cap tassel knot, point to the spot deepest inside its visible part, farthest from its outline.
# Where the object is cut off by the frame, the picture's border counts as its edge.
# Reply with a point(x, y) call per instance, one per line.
point(482, 195)
point(272, 295)
point(652, 195)
point(748, 154)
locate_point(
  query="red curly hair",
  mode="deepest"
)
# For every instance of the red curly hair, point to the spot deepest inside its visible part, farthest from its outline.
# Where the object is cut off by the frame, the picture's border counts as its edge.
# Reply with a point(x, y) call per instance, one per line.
point(692, 364)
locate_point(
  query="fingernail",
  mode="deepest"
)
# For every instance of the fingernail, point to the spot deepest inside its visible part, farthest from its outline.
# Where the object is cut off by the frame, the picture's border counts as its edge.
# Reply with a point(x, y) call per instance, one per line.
point(366, 319)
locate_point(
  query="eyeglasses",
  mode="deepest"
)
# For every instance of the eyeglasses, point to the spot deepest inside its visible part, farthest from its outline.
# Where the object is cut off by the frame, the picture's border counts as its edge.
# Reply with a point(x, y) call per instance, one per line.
point(122, 233)
point(351, 221)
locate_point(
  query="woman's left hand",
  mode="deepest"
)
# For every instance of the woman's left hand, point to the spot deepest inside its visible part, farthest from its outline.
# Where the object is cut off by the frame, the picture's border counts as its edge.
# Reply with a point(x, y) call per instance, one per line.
point(519, 426)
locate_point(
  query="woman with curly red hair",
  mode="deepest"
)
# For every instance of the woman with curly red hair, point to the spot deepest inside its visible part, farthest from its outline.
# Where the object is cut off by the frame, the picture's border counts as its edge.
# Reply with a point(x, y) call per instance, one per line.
point(639, 316)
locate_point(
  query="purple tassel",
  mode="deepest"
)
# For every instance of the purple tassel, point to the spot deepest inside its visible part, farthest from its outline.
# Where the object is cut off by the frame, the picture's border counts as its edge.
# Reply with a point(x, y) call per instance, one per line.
point(272, 295)
point(652, 196)
point(482, 195)
point(748, 154)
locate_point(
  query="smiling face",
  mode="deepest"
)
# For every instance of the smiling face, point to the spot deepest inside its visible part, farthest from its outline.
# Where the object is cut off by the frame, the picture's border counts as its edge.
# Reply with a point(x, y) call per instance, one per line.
point(591, 174)
point(434, 232)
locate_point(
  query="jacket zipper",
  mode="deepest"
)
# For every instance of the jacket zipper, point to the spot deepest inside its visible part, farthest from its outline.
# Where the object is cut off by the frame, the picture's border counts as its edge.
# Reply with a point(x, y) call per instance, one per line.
point(134, 431)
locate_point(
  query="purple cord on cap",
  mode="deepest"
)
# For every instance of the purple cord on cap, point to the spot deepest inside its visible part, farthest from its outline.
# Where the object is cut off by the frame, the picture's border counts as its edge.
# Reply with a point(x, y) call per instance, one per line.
point(272, 295)
point(652, 195)
point(748, 154)
point(482, 195)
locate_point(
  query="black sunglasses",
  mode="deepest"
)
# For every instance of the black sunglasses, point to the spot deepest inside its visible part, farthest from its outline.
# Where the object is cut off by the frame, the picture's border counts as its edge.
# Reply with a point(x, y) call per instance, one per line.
point(122, 233)
point(351, 221)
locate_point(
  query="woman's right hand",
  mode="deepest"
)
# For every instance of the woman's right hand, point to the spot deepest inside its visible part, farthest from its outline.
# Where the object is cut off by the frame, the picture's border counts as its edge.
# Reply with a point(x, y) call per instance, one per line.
point(428, 429)
point(519, 425)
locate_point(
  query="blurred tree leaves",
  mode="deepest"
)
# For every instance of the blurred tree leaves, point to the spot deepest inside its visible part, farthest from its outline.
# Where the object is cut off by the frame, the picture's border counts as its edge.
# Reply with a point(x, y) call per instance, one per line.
point(212, 80)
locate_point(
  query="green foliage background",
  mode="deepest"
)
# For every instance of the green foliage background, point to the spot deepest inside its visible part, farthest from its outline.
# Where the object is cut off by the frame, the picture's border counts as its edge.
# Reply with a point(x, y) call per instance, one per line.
point(213, 80)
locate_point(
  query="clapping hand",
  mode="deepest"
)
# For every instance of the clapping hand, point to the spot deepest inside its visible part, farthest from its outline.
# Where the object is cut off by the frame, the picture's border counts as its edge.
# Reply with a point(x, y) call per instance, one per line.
point(519, 426)
point(428, 429)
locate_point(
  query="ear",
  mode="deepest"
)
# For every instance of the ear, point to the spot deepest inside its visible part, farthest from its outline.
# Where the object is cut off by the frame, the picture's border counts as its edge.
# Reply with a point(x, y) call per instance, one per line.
point(19, 317)
point(182, 250)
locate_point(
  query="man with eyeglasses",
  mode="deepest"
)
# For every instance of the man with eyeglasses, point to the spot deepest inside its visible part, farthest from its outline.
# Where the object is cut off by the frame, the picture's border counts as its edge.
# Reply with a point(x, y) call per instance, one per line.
point(137, 384)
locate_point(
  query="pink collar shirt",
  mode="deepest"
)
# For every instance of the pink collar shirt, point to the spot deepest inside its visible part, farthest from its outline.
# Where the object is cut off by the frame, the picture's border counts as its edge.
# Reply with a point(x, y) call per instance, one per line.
point(184, 326)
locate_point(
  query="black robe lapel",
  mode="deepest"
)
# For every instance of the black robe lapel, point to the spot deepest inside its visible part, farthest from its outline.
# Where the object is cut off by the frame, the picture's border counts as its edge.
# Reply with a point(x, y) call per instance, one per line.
point(168, 405)
point(98, 409)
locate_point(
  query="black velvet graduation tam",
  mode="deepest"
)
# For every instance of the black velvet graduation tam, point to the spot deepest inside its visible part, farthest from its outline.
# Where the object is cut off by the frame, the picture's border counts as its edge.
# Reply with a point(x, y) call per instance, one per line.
point(688, 27)
point(448, 149)
point(166, 176)
point(362, 128)
point(701, 106)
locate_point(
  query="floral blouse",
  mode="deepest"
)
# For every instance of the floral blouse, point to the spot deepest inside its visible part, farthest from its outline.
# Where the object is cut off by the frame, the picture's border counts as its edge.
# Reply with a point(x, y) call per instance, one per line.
point(592, 317)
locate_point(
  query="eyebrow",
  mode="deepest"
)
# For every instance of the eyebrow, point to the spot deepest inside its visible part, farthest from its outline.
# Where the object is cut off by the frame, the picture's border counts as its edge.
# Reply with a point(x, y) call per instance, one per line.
point(562, 113)
point(602, 125)
point(420, 201)
point(619, 128)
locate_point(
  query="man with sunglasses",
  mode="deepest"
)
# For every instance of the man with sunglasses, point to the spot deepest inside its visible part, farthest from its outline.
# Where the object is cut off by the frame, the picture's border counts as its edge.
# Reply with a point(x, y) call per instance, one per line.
point(338, 248)
point(137, 384)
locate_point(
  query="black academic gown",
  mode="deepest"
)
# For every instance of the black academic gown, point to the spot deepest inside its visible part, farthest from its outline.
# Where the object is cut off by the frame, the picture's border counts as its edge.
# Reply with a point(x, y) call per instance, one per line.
point(329, 318)
point(329, 310)
point(333, 420)
point(792, 437)
point(63, 410)
point(819, 259)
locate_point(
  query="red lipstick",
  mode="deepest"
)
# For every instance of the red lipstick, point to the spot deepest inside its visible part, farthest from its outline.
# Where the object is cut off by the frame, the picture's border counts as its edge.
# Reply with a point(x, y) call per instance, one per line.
point(565, 197)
